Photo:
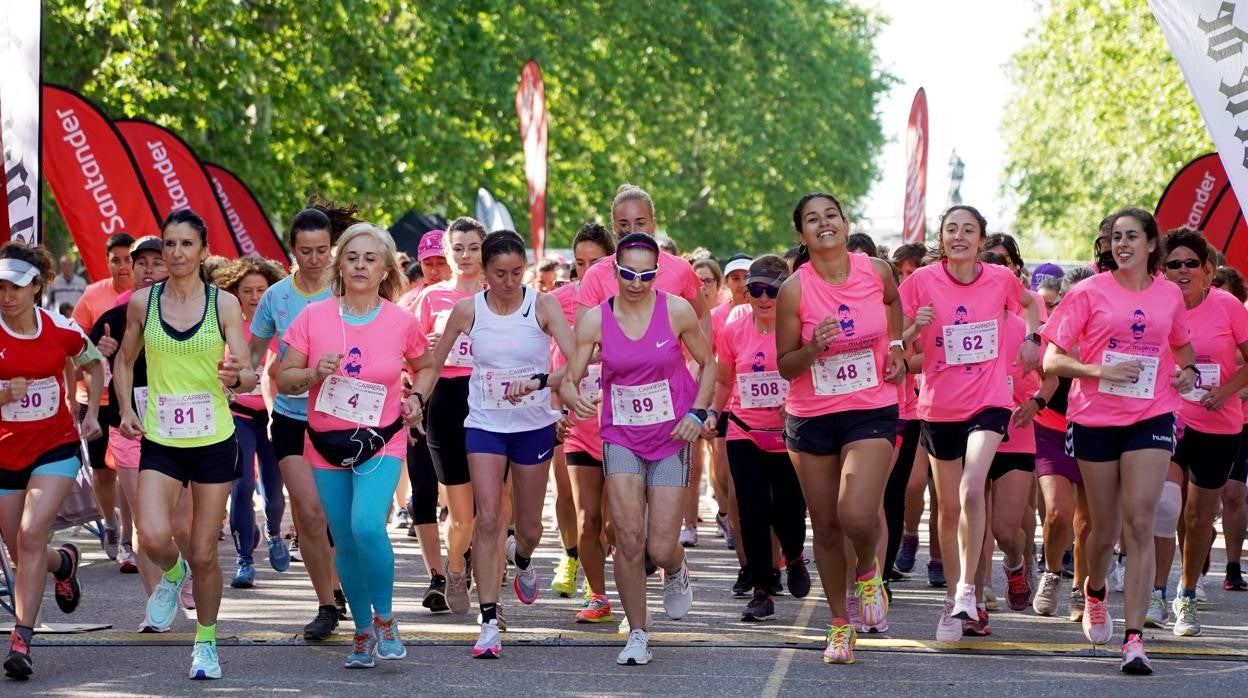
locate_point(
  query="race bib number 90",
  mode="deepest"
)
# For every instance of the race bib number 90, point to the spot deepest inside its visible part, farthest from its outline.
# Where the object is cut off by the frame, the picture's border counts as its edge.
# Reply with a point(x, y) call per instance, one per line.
point(970, 344)
point(39, 402)
point(640, 405)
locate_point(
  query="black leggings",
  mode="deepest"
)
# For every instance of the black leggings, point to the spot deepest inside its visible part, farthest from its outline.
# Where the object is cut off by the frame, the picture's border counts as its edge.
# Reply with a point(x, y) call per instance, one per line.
point(424, 503)
point(895, 492)
point(448, 410)
point(768, 496)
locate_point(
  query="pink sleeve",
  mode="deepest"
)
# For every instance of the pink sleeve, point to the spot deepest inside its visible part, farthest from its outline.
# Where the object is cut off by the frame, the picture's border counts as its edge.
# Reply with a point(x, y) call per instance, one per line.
point(1238, 318)
point(909, 297)
point(724, 347)
point(416, 342)
point(592, 292)
point(1066, 323)
point(1178, 327)
point(1013, 291)
point(297, 334)
point(692, 286)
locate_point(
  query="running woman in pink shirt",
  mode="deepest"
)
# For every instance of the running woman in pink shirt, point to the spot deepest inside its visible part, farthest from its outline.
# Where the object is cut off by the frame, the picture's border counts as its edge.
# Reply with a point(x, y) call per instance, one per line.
point(1119, 335)
point(838, 343)
point(651, 411)
point(957, 306)
point(1212, 415)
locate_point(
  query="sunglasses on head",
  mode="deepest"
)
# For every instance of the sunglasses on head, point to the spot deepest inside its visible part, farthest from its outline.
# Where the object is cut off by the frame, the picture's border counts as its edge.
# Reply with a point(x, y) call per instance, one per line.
point(1180, 263)
point(757, 290)
point(643, 276)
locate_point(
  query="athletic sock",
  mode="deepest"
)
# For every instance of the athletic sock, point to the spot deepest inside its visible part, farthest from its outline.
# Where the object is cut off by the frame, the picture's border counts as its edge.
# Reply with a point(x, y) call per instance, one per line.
point(1095, 594)
point(1162, 590)
point(866, 577)
point(25, 632)
point(67, 566)
point(206, 633)
point(176, 573)
point(1126, 637)
point(489, 612)
point(572, 552)
point(1187, 593)
point(522, 562)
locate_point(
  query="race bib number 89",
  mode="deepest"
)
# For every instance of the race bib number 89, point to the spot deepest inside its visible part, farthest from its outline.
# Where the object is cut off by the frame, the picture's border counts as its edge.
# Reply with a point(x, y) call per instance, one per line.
point(640, 405)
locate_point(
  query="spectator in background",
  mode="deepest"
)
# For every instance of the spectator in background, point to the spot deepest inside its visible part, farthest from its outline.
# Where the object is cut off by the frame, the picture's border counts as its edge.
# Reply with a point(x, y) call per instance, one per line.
point(214, 262)
point(1050, 291)
point(861, 242)
point(66, 288)
point(1230, 280)
point(1006, 246)
point(432, 258)
point(908, 257)
point(547, 271)
point(666, 244)
point(415, 284)
point(1048, 270)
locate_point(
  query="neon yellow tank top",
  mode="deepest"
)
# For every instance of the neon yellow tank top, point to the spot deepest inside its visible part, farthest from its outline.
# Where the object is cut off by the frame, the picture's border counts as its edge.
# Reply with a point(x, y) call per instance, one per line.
point(186, 404)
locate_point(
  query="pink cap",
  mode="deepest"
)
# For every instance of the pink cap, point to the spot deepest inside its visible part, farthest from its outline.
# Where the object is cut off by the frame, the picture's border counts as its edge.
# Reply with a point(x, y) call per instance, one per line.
point(430, 245)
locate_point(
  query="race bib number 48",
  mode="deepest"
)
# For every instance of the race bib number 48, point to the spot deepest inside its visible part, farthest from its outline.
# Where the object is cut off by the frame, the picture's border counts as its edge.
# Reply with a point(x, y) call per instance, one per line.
point(844, 373)
point(639, 405)
point(39, 402)
point(970, 344)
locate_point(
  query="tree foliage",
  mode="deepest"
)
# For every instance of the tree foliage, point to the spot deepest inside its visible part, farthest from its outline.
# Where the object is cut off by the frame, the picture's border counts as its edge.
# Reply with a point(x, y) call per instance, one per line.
point(726, 112)
point(1101, 118)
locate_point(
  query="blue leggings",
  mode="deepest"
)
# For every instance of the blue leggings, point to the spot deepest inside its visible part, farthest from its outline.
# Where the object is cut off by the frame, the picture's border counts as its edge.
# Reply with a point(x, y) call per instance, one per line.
point(254, 443)
point(356, 501)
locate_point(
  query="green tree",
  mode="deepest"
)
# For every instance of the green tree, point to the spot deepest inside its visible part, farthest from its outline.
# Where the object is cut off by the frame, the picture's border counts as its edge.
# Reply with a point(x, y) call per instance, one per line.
point(726, 112)
point(1101, 118)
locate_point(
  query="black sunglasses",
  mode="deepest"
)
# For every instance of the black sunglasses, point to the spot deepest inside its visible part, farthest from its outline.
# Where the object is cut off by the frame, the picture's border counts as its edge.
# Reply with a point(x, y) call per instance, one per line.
point(1180, 263)
point(757, 290)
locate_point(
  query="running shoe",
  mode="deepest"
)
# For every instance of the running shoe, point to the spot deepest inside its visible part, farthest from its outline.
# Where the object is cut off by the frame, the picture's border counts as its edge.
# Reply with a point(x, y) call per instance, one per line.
point(637, 651)
point(730, 539)
point(386, 636)
point(1076, 605)
point(677, 593)
point(760, 608)
point(841, 640)
point(797, 577)
point(162, 605)
point(906, 553)
point(204, 661)
point(564, 583)
point(187, 596)
point(853, 610)
point(361, 656)
point(110, 541)
point(435, 595)
point(526, 585)
point(722, 525)
point(279, 554)
point(129, 561)
point(294, 549)
point(245, 577)
point(1098, 625)
point(68, 590)
point(1234, 580)
point(1045, 601)
point(1018, 589)
point(873, 602)
point(964, 602)
point(1134, 661)
point(990, 598)
point(457, 591)
point(1185, 622)
point(489, 642)
point(689, 536)
point(323, 625)
point(401, 519)
point(146, 626)
point(498, 615)
point(597, 610)
point(744, 583)
point(1117, 575)
point(1157, 615)
point(1201, 596)
point(948, 628)
point(340, 605)
point(18, 664)
point(979, 626)
point(936, 574)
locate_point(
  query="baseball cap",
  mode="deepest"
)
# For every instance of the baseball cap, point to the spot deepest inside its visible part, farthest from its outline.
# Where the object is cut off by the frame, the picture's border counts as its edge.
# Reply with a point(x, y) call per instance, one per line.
point(430, 245)
point(18, 272)
point(147, 243)
point(738, 262)
point(1048, 270)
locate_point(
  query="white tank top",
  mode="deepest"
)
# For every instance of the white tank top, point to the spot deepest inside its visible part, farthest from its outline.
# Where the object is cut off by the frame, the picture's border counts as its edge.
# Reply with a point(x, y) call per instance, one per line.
point(506, 348)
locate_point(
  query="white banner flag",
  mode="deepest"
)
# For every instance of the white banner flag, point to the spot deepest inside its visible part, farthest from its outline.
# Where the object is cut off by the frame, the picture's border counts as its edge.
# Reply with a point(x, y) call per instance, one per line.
point(1210, 40)
point(19, 114)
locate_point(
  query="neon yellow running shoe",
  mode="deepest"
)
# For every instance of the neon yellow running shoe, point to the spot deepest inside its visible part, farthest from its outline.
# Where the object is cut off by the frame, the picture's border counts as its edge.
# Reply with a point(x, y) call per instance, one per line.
point(564, 583)
point(841, 641)
point(873, 602)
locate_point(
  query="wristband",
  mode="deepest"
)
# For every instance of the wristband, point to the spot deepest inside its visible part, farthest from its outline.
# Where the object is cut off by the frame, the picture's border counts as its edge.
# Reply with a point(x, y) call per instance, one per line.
point(897, 344)
point(1193, 368)
point(238, 382)
point(1032, 337)
point(420, 399)
point(541, 379)
point(1040, 401)
point(698, 415)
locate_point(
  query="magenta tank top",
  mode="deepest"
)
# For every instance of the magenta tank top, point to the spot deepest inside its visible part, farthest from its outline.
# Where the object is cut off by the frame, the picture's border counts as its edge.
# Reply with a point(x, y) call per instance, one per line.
point(646, 387)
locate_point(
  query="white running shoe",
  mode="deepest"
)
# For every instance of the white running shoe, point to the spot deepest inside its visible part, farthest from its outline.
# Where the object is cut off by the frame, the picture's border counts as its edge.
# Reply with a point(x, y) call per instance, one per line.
point(1157, 614)
point(1117, 576)
point(689, 536)
point(1045, 601)
point(948, 628)
point(677, 593)
point(637, 651)
point(1185, 622)
point(1201, 596)
point(964, 602)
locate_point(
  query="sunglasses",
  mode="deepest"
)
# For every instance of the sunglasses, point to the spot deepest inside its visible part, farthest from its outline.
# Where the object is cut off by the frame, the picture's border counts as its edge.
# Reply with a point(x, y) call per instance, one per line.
point(757, 290)
point(644, 276)
point(1180, 263)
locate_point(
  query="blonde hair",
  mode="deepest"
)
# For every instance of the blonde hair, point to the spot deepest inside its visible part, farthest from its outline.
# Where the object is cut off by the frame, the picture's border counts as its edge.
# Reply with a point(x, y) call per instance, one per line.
point(392, 282)
point(631, 192)
point(232, 274)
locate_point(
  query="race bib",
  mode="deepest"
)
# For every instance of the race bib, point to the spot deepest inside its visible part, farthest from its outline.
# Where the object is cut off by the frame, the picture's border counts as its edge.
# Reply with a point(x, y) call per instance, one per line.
point(844, 373)
point(257, 390)
point(461, 351)
point(591, 384)
point(140, 402)
point(185, 416)
point(970, 344)
point(1210, 378)
point(639, 405)
point(1141, 387)
point(352, 400)
point(761, 390)
point(39, 402)
point(494, 384)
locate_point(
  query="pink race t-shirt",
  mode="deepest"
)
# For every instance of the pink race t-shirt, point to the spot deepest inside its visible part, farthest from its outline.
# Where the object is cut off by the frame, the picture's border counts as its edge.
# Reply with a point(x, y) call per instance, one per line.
point(963, 362)
point(758, 392)
point(433, 309)
point(1218, 325)
point(676, 276)
point(375, 352)
point(1111, 324)
point(719, 318)
point(253, 400)
point(849, 373)
point(584, 436)
point(1022, 387)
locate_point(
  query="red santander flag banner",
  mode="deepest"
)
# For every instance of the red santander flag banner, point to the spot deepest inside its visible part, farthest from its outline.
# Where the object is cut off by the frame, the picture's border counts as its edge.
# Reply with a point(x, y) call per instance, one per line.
point(177, 180)
point(252, 231)
point(531, 107)
point(1200, 196)
point(914, 226)
point(91, 174)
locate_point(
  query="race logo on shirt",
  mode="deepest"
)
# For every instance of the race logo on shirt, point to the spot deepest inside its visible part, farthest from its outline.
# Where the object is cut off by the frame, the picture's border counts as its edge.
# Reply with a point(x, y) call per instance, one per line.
point(846, 320)
point(354, 363)
point(1138, 326)
point(959, 315)
point(759, 364)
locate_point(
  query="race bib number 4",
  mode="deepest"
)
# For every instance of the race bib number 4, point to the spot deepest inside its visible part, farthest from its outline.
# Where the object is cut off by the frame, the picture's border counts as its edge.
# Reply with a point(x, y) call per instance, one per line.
point(761, 390)
point(185, 416)
point(640, 405)
point(1210, 378)
point(1141, 387)
point(844, 373)
point(970, 344)
point(352, 400)
point(494, 383)
point(39, 402)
